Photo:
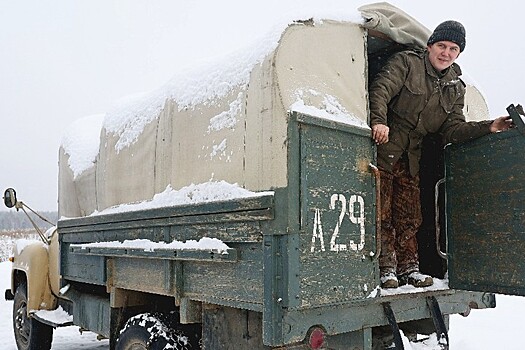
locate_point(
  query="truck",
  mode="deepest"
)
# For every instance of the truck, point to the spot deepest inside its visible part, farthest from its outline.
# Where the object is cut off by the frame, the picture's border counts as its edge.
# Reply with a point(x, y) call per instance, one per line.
point(242, 212)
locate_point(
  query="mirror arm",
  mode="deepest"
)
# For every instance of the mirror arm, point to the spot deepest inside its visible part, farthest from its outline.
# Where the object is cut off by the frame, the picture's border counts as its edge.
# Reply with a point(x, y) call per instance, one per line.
point(21, 205)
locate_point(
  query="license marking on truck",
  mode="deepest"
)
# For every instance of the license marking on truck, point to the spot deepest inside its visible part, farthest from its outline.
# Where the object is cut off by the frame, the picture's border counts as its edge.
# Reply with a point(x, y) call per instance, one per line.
point(354, 208)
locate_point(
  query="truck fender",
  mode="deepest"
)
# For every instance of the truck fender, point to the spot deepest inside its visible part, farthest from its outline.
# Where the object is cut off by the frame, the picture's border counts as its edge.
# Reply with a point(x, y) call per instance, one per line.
point(31, 265)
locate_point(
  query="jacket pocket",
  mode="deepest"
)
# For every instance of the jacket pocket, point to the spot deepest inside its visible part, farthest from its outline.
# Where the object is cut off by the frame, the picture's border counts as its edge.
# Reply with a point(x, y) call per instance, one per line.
point(450, 93)
point(409, 102)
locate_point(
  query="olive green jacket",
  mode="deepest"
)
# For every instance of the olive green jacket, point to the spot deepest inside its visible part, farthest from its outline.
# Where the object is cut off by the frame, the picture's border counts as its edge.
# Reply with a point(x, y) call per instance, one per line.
point(413, 99)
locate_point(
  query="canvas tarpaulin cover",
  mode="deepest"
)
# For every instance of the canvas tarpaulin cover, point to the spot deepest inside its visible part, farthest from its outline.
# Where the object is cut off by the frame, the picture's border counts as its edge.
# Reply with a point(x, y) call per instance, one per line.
point(237, 134)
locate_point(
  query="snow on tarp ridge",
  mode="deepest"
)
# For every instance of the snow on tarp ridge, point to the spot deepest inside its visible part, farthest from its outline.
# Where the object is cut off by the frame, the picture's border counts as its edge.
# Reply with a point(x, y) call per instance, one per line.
point(81, 142)
point(200, 85)
point(209, 81)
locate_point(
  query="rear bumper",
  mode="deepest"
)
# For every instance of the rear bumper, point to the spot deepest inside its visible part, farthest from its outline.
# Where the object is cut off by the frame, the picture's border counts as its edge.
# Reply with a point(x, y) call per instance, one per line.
point(369, 313)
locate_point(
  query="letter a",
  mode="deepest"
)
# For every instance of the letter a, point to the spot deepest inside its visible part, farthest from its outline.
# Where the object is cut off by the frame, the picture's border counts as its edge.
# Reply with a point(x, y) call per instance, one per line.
point(317, 231)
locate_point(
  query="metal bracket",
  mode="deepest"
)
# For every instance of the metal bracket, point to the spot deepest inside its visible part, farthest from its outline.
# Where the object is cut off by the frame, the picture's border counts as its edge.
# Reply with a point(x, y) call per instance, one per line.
point(398, 341)
point(436, 219)
point(515, 113)
point(439, 322)
point(377, 176)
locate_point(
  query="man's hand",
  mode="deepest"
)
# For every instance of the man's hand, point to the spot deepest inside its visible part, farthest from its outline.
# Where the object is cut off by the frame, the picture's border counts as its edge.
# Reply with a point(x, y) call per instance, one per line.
point(501, 124)
point(380, 133)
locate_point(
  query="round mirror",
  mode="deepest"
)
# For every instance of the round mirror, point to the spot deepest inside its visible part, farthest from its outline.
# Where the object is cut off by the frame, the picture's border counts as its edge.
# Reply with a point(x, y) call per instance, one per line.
point(10, 197)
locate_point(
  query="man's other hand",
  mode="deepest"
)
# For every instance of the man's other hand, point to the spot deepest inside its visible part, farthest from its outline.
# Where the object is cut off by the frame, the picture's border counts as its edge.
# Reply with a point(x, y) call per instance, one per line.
point(501, 124)
point(380, 133)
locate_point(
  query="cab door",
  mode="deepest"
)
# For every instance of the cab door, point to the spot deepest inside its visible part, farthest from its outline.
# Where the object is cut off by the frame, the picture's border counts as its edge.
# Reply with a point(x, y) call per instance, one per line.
point(485, 212)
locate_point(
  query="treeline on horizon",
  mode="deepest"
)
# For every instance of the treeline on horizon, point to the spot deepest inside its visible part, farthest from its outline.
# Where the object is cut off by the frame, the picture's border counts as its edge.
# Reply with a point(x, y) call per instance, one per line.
point(16, 220)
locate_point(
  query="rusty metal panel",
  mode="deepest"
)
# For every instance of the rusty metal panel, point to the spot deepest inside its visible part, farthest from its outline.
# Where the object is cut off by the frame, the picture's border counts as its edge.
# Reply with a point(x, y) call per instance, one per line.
point(485, 196)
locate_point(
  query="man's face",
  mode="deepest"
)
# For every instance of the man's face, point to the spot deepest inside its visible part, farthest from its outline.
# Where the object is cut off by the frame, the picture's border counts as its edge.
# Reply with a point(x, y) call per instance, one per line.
point(442, 54)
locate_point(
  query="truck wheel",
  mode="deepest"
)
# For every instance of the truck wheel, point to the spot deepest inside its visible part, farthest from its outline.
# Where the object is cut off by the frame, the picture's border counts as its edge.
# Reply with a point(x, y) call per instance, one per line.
point(150, 332)
point(29, 333)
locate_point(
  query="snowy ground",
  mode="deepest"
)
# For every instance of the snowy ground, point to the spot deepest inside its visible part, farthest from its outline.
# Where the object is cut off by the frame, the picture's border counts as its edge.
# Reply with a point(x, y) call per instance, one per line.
point(492, 329)
point(67, 338)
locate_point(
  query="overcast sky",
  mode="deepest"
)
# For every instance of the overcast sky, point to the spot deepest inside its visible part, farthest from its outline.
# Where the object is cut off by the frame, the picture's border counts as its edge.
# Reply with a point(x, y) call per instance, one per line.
point(63, 60)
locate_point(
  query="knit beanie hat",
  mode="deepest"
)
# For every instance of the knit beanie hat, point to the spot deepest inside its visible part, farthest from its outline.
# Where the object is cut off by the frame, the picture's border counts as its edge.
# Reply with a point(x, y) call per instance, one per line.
point(449, 31)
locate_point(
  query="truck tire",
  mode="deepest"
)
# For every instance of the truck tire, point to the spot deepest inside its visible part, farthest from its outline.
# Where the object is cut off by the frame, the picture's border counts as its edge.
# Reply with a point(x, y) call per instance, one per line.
point(30, 334)
point(151, 332)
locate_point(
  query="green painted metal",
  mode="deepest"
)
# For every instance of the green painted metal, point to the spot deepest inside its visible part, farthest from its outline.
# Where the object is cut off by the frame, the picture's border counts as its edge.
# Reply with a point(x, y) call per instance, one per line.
point(189, 213)
point(206, 275)
point(485, 194)
point(325, 158)
point(302, 257)
point(337, 238)
point(91, 312)
point(368, 312)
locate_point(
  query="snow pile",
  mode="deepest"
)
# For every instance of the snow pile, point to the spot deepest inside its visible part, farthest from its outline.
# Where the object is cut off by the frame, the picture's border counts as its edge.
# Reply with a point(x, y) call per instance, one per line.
point(211, 191)
point(431, 343)
point(331, 110)
point(204, 243)
point(439, 284)
point(58, 316)
point(204, 83)
point(81, 142)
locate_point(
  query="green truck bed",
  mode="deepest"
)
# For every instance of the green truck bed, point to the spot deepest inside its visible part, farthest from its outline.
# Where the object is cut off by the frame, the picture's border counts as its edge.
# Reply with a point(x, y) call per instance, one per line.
point(303, 256)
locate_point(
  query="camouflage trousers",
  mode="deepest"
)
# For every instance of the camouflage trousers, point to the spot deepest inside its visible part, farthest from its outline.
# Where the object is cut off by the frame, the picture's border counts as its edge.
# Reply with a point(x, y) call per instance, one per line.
point(400, 219)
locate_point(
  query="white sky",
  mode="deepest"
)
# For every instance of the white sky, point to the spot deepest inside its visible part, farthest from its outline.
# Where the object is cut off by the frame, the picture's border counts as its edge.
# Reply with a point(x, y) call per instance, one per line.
point(64, 60)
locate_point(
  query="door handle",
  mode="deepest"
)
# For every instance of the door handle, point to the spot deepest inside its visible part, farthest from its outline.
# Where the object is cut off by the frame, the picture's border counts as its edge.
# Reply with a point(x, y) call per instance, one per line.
point(436, 218)
point(377, 176)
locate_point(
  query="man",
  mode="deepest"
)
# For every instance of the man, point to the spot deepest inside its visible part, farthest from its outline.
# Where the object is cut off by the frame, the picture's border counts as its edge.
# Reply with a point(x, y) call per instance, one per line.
point(416, 93)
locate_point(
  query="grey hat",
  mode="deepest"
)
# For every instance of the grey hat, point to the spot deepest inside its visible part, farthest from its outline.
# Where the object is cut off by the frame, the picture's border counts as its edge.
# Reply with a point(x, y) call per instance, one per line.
point(449, 31)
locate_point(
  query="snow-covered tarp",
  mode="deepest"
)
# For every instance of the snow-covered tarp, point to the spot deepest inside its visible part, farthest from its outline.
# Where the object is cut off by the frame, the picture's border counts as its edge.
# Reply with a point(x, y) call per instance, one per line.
point(227, 120)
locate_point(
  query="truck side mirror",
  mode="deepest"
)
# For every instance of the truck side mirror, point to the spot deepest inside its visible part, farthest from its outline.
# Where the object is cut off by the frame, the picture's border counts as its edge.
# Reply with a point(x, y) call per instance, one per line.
point(10, 198)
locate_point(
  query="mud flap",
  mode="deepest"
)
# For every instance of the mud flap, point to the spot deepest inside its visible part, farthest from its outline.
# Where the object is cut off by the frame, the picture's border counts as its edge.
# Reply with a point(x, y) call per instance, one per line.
point(437, 319)
point(439, 322)
point(398, 341)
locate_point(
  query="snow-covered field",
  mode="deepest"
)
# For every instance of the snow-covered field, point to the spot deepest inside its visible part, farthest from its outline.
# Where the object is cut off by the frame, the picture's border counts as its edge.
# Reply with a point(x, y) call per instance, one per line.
point(492, 329)
point(7, 241)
